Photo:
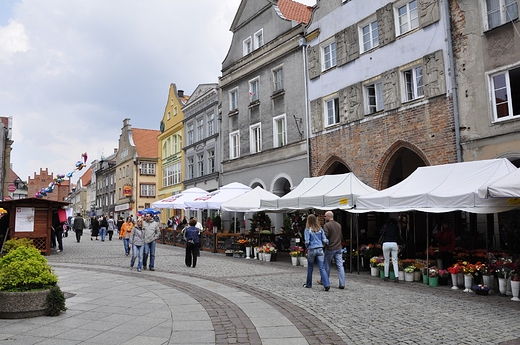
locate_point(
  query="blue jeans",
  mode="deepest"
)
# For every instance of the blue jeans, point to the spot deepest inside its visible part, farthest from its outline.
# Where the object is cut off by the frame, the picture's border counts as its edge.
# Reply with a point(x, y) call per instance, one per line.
point(103, 233)
point(149, 248)
point(316, 255)
point(126, 244)
point(137, 251)
point(338, 258)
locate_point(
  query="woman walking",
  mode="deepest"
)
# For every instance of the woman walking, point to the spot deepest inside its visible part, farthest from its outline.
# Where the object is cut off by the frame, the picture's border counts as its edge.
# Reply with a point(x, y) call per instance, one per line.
point(94, 231)
point(192, 243)
point(315, 239)
point(125, 233)
point(103, 228)
point(137, 243)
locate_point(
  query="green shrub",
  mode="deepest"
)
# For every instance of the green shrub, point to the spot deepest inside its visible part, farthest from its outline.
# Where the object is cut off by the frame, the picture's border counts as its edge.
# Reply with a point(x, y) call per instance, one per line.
point(25, 269)
point(17, 242)
point(55, 302)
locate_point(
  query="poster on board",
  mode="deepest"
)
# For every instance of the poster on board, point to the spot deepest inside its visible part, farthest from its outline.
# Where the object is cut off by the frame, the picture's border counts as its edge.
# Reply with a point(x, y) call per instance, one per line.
point(24, 219)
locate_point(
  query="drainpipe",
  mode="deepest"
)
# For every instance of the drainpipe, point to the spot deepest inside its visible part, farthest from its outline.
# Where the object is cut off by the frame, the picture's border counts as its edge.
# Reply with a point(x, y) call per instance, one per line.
point(453, 79)
point(303, 44)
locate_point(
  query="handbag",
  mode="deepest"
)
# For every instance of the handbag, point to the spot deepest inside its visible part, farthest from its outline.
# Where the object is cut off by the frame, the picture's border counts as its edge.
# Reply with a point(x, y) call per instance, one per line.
point(381, 239)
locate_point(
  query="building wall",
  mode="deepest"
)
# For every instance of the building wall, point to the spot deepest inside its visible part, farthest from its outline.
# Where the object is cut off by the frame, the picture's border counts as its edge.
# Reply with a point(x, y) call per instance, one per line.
point(480, 53)
point(369, 143)
point(42, 180)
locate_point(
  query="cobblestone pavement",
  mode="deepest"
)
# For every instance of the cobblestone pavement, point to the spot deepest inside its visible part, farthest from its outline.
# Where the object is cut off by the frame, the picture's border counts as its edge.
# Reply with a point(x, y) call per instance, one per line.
point(226, 300)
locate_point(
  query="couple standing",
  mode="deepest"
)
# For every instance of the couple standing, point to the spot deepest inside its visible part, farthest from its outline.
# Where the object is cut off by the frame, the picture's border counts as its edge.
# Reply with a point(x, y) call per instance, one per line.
point(315, 239)
point(143, 241)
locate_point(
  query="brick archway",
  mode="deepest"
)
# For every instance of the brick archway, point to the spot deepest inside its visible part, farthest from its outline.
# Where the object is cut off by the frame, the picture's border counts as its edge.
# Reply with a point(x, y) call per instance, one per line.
point(391, 157)
point(334, 165)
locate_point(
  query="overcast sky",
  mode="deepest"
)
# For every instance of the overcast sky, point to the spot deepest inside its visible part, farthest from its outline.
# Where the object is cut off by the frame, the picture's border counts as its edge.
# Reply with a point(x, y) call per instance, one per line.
point(72, 70)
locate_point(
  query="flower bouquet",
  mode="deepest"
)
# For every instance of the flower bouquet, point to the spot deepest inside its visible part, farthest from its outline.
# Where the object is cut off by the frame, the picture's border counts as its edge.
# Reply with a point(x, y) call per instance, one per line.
point(269, 248)
point(409, 269)
point(433, 272)
point(243, 241)
point(375, 260)
point(444, 273)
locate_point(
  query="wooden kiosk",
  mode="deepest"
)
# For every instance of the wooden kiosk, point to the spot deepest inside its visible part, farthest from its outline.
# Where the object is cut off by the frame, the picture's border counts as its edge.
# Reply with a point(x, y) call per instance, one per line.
point(30, 218)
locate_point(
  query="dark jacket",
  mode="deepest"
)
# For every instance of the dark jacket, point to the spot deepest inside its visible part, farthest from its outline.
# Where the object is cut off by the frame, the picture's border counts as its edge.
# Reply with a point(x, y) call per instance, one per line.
point(391, 232)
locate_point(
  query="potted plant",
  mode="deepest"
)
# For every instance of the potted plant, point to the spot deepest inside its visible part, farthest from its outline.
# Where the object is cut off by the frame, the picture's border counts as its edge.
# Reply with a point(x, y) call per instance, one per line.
point(295, 254)
point(443, 277)
point(408, 273)
point(28, 285)
point(374, 261)
point(217, 222)
point(433, 276)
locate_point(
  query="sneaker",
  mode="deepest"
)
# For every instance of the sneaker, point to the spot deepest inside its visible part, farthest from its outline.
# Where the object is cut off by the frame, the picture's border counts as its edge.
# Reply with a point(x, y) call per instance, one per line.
point(58, 251)
point(397, 280)
point(306, 286)
point(386, 279)
point(326, 288)
point(319, 282)
point(341, 287)
point(144, 267)
point(138, 270)
point(131, 268)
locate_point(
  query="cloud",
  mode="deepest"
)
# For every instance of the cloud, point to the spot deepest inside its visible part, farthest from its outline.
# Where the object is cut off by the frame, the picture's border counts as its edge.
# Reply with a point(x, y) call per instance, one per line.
point(72, 71)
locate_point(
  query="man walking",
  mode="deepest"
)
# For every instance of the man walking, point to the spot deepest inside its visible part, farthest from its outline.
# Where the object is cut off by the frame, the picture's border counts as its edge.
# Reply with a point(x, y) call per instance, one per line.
point(151, 234)
point(79, 225)
point(333, 249)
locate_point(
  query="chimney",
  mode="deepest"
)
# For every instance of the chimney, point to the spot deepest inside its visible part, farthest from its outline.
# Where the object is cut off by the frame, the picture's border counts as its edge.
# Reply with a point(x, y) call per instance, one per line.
point(180, 93)
point(115, 149)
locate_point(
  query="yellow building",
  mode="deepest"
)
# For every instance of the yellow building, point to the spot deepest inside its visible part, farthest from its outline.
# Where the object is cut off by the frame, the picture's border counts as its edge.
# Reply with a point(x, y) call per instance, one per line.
point(171, 157)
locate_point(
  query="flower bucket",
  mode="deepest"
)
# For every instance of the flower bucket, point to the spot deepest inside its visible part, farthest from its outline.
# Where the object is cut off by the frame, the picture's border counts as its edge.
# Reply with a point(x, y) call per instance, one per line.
point(267, 257)
point(248, 252)
point(425, 278)
point(416, 276)
point(433, 281)
point(261, 256)
point(382, 274)
point(454, 278)
point(294, 260)
point(443, 280)
point(487, 280)
point(374, 271)
point(515, 290)
point(303, 261)
point(392, 275)
point(401, 275)
point(468, 282)
point(408, 276)
point(460, 280)
point(502, 285)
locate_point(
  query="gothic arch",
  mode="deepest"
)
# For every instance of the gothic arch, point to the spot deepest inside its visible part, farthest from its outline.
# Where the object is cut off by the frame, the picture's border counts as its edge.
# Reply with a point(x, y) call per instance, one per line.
point(392, 156)
point(334, 165)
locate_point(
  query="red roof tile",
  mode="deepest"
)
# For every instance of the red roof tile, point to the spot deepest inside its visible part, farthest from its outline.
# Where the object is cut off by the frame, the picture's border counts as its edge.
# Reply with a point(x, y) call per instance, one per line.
point(146, 142)
point(293, 10)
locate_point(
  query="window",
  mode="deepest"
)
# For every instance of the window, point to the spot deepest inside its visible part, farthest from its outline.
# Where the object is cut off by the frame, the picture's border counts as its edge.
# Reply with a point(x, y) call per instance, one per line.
point(278, 79)
point(255, 136)
point(177, 143)
point(200, 129)
point(500, 12)
point(200, 164)
point(374, 97)
point(369, 35)
point(190, 134)
point(175, 111)
point(328, 52)
point(506, 94)
point(233, 99)
point(169, 115)
point(413, 83)
point(253, 89)
point(211, 124)
point(331, 111)
point(259, 38)
point(211, 161)
point(408, 17)
point(248, 46)
point(147, 190)
point(234, 145)
point(147, 169)
point(280, 132)
point(191, 168)
point(172, 175)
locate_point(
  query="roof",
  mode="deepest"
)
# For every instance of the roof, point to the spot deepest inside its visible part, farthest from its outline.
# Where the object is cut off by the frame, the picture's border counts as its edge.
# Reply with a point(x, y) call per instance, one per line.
point(293, 10)
point(146, 142)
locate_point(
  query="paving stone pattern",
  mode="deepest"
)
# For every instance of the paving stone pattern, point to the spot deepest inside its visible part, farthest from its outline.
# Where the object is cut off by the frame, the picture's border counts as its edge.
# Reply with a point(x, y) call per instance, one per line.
point(227, 300)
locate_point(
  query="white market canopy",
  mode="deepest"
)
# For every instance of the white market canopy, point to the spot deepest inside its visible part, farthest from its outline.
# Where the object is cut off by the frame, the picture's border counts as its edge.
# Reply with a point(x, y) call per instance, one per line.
point(504, 187)
point(213, 200)
point(249, 201)
point(327, 192)
point(443, 188)
point(177, 201)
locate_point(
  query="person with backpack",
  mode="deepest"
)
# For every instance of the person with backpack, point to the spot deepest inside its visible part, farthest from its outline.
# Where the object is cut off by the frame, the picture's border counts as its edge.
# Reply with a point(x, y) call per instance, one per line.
point(192, 243)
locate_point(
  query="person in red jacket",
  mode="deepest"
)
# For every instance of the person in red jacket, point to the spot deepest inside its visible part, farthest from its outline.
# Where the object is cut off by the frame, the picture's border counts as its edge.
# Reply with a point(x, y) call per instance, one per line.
point(446, 239)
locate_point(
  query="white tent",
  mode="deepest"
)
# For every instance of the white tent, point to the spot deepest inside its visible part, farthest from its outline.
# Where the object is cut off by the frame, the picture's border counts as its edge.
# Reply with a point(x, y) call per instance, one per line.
point(504, 187)
point(442, 188)
point(213, 200)
point(326, 192)
point(177, 201)
point(249, 201)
